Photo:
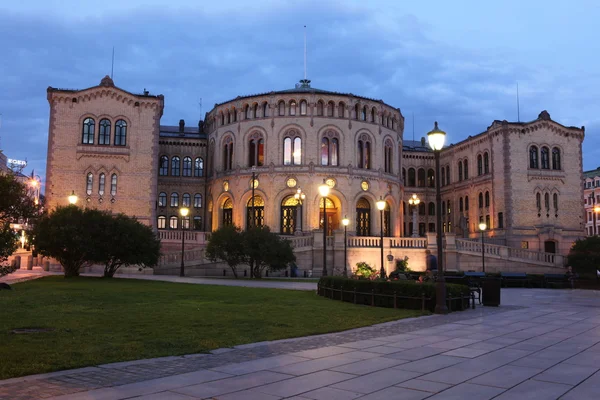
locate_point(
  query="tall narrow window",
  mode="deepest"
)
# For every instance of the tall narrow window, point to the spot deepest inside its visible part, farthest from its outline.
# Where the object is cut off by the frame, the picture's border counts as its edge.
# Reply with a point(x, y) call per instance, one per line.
point(448, 174)
point(87, 133)
point(113, 185)
point(545, 158)
point(538, 201)
point(186, 200)
point(265, 109)
point(533, 157)
point(89, 183)
point(303, 107)
point(479, 165)
point(373, 114)
point(187, 166)
point(297, 151)
point(486, 163)
point(174, 200)
point(363, 115)
point(292, 150)
point(246, 111)
point(430, 178)
point(356, 112)
point(460, 204)
point(421, 177)
point(412, 177)
point(255, 110)
point(228, 117)
point(487, 199)
point(443, 181)
point(256, 153)
point(466, 203)
point(101, 184)
point(222, 119)
point(197, 200)
point(281, 108)
point(162, 222)
point(460, 172)
point(325, 151)
point(287, 151)
point(292, 107)
point(198, 167)
point(104, 133)
point(480, 200)
point(228, 154)
point(121, 133)
point(319, 108)
point(547, 201)
point(163, 167)
point(173, 222)
point(556, 158)
point(466, 168)
point(234, 114)
point(162, 199)
point(334, 150)
point(500, 220)
point(341, 108)
point(330, 107)
point(555, 201)
point(175, 165)
point(431, 207)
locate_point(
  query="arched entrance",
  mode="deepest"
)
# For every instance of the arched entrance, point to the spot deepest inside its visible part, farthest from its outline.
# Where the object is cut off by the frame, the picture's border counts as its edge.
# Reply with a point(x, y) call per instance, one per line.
point(227, 218)
point(291, 215)
point(259, 212)
point(332, 216)
point(550, 246)
point(363, 217)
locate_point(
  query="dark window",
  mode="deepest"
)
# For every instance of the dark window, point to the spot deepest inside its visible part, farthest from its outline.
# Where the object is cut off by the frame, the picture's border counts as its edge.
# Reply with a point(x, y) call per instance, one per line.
point(545, 158)
point(163, 168)
point(443, 181)
point(341, 107)
point(421, 177)
point(555, 200)
point(175, 165)
point(162, 199)
point(448, 174)
point(460, 172)
point(556, 158)
point(411, 177)
point(460, 204)
point(487, 221)
point(197, 200)
point(466, 203)
point(363, 217)
point(479, 165)
point(186, 200)
point(187, 166)
point(174, 200)
point(533, 157)
point(480, 200)
point(256, 152)
point(500, 220)
point(487, 199)
point(265, 110)
point(197, 223)
point(87, 133)
point(121, 133)
point(431, 208)
point(104, 133)
point(465, 169)
point(421, 208)
point(198, 167)
point(430, 178)
point(364, 154)
point(486, 163)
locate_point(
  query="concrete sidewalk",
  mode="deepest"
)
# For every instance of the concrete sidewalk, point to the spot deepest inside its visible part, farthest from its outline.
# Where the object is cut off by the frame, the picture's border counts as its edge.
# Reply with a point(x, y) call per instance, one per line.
point(541, 344)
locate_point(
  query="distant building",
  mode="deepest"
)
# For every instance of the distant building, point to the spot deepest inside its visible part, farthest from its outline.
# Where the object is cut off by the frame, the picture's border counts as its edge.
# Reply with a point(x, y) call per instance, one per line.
point(591, 201)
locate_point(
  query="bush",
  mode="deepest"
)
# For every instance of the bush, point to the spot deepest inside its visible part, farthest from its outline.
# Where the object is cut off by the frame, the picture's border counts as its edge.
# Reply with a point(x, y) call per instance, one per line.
point(584, 257)
point(410, 295)
point(364, 271)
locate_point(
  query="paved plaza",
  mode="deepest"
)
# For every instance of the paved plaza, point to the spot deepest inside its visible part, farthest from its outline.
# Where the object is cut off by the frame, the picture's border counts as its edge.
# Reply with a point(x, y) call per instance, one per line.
point(540, 344)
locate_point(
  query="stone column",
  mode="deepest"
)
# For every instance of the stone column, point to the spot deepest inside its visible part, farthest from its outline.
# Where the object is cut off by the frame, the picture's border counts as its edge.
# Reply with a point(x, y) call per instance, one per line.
point(29, 263)
point(450, 255)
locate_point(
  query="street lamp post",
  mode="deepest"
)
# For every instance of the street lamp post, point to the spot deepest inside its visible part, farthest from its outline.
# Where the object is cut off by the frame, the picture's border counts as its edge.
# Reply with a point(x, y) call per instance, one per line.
point(345, 222)
point(324, 191)
point(595, 212)
point(482, 228)
point(299, 196)
point(254, 175)
point(184, 212)
point(436, 141)
point(381, 206)
point(72, 198)
point(414, 202)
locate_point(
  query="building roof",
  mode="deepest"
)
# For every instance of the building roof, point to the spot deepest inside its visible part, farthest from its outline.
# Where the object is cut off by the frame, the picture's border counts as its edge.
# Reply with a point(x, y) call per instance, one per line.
point(106, 82)
point(415, 145)
point(189, 132)
point(592, 173)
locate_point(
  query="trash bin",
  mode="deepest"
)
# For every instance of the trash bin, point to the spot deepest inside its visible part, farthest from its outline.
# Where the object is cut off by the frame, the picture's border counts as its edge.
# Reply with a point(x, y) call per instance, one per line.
point(491, 291)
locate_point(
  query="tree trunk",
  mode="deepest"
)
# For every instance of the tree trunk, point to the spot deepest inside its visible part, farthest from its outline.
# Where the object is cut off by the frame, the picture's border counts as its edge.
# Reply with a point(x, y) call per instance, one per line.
point(234, 273)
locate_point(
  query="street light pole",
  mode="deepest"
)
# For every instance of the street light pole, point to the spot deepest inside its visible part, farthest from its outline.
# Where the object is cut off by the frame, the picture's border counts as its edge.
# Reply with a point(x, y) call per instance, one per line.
point(595, 212)
point(414, 202)
point(184, 212)
point(381, 206)
point(345, 222)
point(482, 228)
point(253, 222)
point(299, 196)
point(324, 191)
point(436, 141)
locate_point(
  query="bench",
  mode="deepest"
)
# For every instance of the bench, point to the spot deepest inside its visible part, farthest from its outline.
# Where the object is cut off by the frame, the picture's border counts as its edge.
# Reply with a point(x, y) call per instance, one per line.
point(516, 277)
point(555, 279)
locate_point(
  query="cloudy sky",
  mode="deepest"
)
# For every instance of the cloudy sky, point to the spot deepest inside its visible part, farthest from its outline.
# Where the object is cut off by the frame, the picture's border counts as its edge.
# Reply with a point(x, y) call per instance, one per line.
point(457, 62)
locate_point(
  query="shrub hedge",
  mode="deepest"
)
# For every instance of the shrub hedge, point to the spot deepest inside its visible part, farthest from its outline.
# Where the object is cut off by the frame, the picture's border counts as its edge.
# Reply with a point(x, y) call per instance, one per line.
point(409, 294)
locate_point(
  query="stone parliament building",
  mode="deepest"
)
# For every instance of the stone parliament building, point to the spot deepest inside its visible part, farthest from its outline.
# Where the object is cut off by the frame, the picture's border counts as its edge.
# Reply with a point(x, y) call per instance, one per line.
point(523, 179)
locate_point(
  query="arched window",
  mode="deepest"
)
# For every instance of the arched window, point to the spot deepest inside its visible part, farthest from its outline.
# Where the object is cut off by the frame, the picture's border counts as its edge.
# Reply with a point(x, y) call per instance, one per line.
point(465, 169)
point(162, 199)
point(175, 164)
point(291, 220)
point(431, 208)
point(448, 175)
point(330, 107)
point(363, 115)
point(227, 212)
point(486, 163)
point(246, 111)
point(303, 107)
point(421, 177)
point(174, 199)
point(292, 107)
point(545, 158)
point(255, 110)
point(197, 200)
point(480, 200)
point(187, 166)
point(533, 157)
point(547, 201)
point(479, 165)
point(87, 132)
point(228, 154)
point(320, 108)
point(292, 149)
point(460, 204)
point(198, 167)
point(373, 114)
point(259, 211)
point(363, 217)
point(186, 200)
point(265, 109)
point(487, 199)
point(173, 222)
point(466, 203)
point(104, 133)
point(197, 223)
point(357, 112)
point(422, 208)
point(161, 222)
point(430, 178)
point(555, 201)
point(163, 167)
point(228, 117)
point(538, 201)
point(113, 185)
point(256, 150)
point(460, 172)
point(449, 207)
point(281, 108)
point(222, 119)
point(412, 178)
point(556, 158)
point(364, 152)
point(89, 183)
point(234, 114)
point(325, 151)
point(387, 158)
point(341, 108)
point(121, 133)
point(101, 184)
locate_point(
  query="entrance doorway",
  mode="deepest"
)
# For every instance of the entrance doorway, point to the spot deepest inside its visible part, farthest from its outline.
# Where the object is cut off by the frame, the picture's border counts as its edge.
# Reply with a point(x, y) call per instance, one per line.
point(550, 246)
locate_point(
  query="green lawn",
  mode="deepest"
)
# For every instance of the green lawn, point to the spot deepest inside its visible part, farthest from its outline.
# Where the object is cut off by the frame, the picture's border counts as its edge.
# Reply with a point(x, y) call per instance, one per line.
point(98, 321)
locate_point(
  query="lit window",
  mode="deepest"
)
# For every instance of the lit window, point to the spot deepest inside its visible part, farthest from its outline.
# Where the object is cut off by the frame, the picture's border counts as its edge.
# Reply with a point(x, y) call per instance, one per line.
point(197, 200)
point(89, 183)
point(175, 165)
point(101, 184)
point(162, 222)
point(121, 133)
point(87, 134)
point(187, 166)
point(163, 168)
point(173, 222)
point(162, 199)
point(174, 200)
point(113, 185)
point(186, 200)
point(198, 167)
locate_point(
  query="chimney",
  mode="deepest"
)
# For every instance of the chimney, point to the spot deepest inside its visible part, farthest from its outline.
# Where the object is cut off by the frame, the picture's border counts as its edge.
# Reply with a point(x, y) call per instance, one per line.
point(200, 126)
point(422, 141)
point(181, 125)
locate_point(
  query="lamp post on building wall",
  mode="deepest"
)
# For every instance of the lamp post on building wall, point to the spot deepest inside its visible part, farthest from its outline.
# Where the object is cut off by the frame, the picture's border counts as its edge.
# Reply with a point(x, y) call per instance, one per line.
point(414, 202)
point(299, 196)
point(381, 207)
point(482, 228)
point(324, 192)
point(184, 212)
point(436, 140)
point(345, 222)
point(72, 198)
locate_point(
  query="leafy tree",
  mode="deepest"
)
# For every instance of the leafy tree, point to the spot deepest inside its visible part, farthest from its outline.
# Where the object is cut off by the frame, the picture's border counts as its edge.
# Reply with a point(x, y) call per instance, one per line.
point(584, 256)
point(123, 241)
point(265, 249)
point(225, 244)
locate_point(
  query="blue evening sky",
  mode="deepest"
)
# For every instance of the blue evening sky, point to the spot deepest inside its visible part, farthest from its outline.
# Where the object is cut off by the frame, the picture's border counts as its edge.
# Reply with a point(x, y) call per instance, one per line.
point(457, 62)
